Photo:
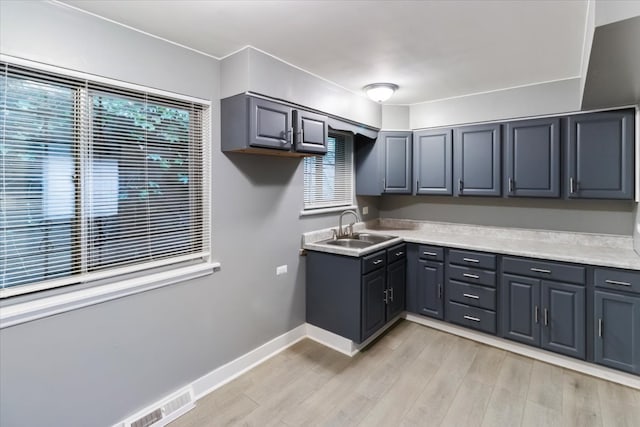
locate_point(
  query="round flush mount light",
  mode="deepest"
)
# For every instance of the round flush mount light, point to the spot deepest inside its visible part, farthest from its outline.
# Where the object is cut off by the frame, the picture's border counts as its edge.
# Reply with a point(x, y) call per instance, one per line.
point(380, 92)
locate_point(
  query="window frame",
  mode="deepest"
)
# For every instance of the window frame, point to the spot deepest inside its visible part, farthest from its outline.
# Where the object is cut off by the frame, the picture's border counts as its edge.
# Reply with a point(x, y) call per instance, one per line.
point(31, 301)
point(306, 211)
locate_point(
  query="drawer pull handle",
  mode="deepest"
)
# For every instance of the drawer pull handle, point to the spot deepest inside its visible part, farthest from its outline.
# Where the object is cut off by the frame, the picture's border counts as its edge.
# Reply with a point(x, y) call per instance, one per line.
point(430, 253)
point(540, 270)
point(471, 260)
point(399, 253)
point(390, 294)
point(615, 282)
point(376, 262)
point(471, 296)
point(600, 328)
point(473, 276)
point(475, 319)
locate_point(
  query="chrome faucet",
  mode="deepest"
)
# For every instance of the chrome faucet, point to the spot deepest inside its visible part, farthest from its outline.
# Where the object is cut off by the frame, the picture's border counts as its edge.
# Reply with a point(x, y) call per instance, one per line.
point(349, 227)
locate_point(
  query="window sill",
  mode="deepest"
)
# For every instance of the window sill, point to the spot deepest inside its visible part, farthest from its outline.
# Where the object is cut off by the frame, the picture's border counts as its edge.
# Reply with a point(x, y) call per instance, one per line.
point(37, 309)
point(310, 212)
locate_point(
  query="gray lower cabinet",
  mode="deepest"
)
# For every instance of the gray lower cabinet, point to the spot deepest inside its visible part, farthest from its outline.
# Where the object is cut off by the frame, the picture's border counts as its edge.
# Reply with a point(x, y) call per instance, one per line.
point(433, 162)
point(532, 158)
point(477, 167)
point(617, 319)
point(471, 290)
point(600, 153)
point(544, 313)
point(355, 297)
point(425, 283)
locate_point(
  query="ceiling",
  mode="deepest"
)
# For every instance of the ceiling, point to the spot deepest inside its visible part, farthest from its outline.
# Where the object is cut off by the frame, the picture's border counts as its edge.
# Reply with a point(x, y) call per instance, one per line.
point(431, 49)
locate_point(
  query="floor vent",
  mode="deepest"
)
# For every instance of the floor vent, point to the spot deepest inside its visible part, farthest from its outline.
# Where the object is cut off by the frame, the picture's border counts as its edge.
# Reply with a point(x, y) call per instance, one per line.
point(163, 412)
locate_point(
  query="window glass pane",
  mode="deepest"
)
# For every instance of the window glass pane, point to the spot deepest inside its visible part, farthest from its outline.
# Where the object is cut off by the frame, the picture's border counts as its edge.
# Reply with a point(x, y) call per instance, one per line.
point(143, 188)
point(328, 179)
point(37, 189)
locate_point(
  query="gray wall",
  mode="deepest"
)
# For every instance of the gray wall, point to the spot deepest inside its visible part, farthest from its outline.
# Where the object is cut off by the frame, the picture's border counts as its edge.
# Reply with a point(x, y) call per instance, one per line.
point(588, 216)
point(97, 365)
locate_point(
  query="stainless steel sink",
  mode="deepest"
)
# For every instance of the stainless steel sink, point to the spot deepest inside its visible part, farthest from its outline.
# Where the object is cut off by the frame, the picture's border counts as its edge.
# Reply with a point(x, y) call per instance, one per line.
point(357, 240)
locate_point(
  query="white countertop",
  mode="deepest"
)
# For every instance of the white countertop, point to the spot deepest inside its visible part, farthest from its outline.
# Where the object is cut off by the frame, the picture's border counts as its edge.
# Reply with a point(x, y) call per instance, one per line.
point(582, 248)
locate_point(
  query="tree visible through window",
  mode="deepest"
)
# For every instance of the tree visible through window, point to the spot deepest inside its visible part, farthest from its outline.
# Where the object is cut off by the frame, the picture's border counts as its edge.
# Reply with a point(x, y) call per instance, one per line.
point(94, 177)
point(328, 179)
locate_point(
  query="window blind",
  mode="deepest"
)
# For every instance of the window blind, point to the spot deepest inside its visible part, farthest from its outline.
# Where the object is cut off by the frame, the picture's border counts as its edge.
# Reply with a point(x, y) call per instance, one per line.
point(328, 179)
point(96, 180)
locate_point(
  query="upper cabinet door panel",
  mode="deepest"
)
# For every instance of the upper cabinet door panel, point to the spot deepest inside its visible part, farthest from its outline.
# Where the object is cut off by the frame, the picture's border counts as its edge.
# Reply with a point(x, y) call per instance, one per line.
point(433, 161)
point(600, 155)
point(532, 158)
point(311, 132)
point(269, 124)
point(397, 162)
point(477, 169)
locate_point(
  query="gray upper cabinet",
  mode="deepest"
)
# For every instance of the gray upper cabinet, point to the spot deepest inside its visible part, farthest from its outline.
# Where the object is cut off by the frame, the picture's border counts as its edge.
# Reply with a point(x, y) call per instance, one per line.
point(477, 160)
point(532, 160)
point(432, 161)
point(384, 165)
point(397, 162)
point(311, 132)
point(252, 124)
point(600, 155)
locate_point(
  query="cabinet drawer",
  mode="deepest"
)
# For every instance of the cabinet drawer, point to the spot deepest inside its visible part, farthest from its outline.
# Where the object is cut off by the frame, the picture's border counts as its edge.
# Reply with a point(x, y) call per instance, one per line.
point(477, 296)
point(396, 253)
point(473, 275)
point(621, 280)
point(433, 253)
point(373, 261)
point(544, 270)
point(472, 259)
point(477, 318)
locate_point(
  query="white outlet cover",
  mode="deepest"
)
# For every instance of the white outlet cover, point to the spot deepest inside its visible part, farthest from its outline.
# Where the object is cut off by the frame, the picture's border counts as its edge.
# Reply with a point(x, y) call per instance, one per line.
point(281, 269)
point(365, 210)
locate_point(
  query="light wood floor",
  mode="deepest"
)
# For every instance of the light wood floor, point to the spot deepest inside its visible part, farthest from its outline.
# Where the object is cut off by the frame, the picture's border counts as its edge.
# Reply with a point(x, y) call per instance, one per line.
point(414, 376)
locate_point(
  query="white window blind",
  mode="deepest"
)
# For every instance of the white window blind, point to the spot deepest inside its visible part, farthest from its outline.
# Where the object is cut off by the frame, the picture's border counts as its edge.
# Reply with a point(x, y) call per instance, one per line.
point(328, 179)
point(96, 180)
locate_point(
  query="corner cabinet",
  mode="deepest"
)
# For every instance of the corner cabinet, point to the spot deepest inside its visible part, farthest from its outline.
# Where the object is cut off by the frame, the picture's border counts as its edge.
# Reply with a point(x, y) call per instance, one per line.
point(385, 165)
point(256, 125)
point(532, 160)
point(433, 162)
point(600, 155)
point(477, 169)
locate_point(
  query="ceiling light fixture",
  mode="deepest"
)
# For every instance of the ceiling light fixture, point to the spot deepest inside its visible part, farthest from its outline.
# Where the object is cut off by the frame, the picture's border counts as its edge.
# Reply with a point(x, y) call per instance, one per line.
point(380, 92)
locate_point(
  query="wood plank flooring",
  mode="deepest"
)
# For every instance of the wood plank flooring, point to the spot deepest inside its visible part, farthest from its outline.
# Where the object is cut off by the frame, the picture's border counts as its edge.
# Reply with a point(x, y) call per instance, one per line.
point(414, 376)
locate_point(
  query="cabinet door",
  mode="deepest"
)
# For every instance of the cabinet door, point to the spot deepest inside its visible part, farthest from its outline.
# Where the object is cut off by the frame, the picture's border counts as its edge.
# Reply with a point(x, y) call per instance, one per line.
point(269, 124)
point(373, 304)
point(521, 309)
point(432, 161)
point(430, 288)
point(476, 161)
point(600, 155)
point(397, 162)
point(563, 317)
point(311, 132)
point(617, 331)
point(533, 158)
point(396, 279)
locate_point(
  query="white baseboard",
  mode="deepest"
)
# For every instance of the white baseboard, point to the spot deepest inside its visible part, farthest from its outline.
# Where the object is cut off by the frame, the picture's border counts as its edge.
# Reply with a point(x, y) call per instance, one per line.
point(597, 371)
point(226, 373)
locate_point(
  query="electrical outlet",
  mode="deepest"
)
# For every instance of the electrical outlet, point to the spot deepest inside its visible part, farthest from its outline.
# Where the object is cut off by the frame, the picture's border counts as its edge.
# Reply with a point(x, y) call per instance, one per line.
point(281, 269)
point(365, 210)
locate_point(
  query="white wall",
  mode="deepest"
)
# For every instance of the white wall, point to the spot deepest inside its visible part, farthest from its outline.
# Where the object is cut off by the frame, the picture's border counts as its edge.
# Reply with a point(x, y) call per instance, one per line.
point(395, 117)
point(545, 98)
point(609, 11)
point(256, 71)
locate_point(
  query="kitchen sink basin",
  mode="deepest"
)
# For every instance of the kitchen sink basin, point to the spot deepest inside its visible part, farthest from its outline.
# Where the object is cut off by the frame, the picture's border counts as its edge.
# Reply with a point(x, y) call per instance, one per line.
point(358, 240)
